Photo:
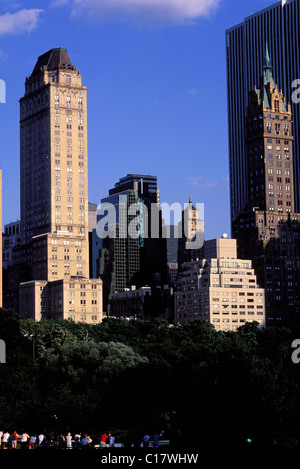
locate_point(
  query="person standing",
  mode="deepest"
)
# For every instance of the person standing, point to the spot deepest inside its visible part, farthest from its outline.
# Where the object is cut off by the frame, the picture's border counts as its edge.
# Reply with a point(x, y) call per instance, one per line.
point(103, 439)
point(61, 441)
point(111, 440)
point(24, 439)
point(69, 440)
point(41, 439)
point(1, 435)
point(5, 440)
point(77, 439)
point(85, 442)
point(14, 441)
point(156, 440)
point(32, 441)
point(146, 441)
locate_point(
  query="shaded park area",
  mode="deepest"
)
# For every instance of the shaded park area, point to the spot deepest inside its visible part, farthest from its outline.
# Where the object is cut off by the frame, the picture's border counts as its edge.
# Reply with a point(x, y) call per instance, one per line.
point(201, 386)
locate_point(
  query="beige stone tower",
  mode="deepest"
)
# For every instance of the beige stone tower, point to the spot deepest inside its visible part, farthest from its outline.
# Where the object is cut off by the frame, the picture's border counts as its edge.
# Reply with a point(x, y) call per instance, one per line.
point(269, 144)
point(191, 234)
point(54, 175)
point(268, 229)
point(54, 185)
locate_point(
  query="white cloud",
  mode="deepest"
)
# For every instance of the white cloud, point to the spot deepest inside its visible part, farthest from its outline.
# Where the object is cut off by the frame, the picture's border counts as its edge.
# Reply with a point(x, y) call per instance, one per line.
point(193, 91)
point(210, 184)
point(20, 22)
point(3, 55)
point(199, 181)
point(194, 181)
point(171, 11)
point(58, 3)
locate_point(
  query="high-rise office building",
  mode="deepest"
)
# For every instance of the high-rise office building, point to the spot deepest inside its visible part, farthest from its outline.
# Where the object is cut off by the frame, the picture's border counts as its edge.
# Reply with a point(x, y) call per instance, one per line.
point(92, 228)
point(130, 259)
point(170, 232)
point(268, 229)
point(11, 239)
point(54, 191)
point(279, 26)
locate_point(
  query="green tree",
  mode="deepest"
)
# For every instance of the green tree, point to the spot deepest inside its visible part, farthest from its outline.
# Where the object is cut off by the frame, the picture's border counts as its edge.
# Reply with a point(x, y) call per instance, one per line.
point(75, 377)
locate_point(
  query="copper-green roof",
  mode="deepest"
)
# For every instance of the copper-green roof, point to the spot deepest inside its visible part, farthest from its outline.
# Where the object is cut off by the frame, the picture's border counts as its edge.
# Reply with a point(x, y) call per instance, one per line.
point(267, 78)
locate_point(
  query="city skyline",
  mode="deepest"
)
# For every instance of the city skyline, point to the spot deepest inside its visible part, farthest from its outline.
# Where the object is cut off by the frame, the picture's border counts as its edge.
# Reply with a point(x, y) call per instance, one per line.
point(149, 101)
point(151, 232)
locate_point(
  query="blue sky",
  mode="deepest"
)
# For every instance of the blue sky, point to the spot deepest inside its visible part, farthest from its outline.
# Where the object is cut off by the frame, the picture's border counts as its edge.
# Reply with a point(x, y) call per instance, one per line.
point(156, 77)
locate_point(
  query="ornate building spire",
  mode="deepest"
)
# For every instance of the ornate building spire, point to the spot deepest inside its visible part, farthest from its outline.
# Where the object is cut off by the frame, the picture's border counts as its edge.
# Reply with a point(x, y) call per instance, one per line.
point(267, 68)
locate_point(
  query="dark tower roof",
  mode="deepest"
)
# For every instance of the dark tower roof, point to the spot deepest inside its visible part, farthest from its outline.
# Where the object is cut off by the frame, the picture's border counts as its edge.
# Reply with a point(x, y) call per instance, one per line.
point(53, 60)
point(267, 81)
point(267, 68)
point(267, 77)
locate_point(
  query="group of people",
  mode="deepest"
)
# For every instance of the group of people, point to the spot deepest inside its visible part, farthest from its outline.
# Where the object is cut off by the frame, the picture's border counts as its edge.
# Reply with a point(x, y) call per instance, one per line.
point(48, 439)
point(146, 440)
point(10, 441)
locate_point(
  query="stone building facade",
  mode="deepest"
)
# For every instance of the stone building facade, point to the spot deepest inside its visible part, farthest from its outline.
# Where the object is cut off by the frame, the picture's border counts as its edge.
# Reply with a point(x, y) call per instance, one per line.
point(221, 289)
point(54, 227)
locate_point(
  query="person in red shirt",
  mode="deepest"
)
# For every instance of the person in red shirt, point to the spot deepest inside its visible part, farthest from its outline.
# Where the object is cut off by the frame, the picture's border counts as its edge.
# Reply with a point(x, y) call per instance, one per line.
point(14, 439)
point(103, 439)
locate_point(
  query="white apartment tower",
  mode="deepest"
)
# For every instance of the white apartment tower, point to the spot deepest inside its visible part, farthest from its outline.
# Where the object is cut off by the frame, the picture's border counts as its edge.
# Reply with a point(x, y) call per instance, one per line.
point(219, 289)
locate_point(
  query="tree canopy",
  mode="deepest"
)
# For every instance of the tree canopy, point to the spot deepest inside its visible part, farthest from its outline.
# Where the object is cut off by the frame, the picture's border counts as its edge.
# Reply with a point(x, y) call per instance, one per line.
point(216, 387)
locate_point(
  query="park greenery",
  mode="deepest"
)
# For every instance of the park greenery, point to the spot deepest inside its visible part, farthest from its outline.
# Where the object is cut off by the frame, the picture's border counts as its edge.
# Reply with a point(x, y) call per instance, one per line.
point(218, 388)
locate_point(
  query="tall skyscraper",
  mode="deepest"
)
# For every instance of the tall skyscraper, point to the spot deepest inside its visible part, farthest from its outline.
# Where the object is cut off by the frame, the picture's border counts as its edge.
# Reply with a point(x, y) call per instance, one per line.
point(128, 261)
point(268, 229)
point(269, 146)
point(54, 189)
point(278, 26)
point(171, 234)
point(10, 239)
point(53, 165)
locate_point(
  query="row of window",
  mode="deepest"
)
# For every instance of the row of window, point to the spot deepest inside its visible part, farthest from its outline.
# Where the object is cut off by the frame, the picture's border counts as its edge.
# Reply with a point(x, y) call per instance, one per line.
point(243, 265)
point(83, 285)
point(216, 320)
point(57, 101)
point(83, 317)
point(69, 134)
point(69, 119)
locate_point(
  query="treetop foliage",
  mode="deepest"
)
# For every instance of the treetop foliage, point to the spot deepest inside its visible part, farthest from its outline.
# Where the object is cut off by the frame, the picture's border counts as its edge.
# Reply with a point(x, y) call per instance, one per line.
point(143, 374)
